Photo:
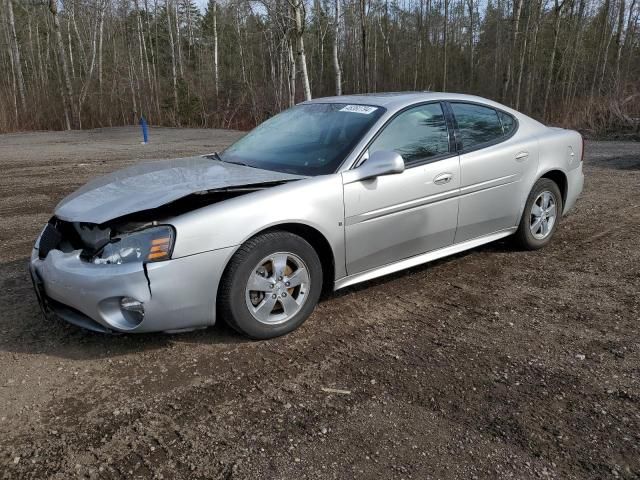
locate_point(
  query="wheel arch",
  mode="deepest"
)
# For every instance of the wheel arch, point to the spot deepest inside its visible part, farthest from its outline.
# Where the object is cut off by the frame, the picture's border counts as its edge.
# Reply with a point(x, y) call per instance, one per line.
point(560, 179)
point(310, 234)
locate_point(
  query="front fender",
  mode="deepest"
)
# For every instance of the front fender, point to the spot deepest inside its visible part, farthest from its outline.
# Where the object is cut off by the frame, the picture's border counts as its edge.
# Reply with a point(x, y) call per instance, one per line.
point(315, 202)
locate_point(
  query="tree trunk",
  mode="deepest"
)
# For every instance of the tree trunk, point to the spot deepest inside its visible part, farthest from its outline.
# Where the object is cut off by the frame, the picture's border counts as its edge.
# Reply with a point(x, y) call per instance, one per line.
point(471, 81)
point(173, 63)
point(15, 51)
point(100, 76)
point(498, 46)
point(603, 35)
point(571, 84)
point(302, 59)
point(444, 59)
point(70, 46)
point(336, 39)
point(418, 51)
point(606, 56)
point(87, 82)
point(523, 54)
point(144, 59)
point(68, 89)
point(532, 59)
point(516, 32)
point(11, 76)
point(179, 40)
point(365, 59)
point(292, 76)
point(552, 59)
point(216, 74)
point(619, 41)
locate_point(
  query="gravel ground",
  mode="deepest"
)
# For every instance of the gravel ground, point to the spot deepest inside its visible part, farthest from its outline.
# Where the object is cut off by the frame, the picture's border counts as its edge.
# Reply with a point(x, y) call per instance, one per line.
point(495, 363)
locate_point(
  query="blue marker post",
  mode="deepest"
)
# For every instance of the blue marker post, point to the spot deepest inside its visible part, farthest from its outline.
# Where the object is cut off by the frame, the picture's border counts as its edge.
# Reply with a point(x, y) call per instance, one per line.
point(145, 130)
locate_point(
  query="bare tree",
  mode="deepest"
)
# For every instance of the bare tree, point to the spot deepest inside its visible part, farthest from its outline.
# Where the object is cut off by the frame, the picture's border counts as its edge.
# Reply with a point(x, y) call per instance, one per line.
point(444, 52)
point(15, 51)
point(173, 59)
point(574, 63)
point(552, 59)
point(336, 40)
point(471, 25)
point(216, 74)
point(69, 110)
point(299, 19)
point(363, 33)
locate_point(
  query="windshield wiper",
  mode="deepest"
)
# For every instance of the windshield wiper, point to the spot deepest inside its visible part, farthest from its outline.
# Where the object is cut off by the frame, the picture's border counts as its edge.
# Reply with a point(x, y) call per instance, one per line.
point(216, 156)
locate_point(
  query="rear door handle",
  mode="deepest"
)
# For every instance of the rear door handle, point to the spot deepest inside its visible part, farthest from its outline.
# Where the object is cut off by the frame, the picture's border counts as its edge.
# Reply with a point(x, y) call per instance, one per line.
point(443, 178)
point(522, 155)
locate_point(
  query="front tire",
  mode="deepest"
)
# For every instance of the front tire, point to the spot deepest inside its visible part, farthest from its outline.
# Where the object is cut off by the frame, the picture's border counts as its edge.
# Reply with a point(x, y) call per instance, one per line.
point(540, 216)
point(271, 285)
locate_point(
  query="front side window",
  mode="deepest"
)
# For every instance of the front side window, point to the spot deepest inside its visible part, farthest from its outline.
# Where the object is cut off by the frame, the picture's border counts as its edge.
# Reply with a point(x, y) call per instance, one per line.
point(476, 124)
point(416, 134)
point(309, 139)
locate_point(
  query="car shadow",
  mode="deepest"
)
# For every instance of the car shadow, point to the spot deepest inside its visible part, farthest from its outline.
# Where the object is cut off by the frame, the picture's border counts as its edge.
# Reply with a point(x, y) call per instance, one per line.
point(24, 330)
point(503, 245)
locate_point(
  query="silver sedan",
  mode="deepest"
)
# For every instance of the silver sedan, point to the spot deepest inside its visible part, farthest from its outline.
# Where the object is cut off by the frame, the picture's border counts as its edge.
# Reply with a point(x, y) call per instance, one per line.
point(329, 193)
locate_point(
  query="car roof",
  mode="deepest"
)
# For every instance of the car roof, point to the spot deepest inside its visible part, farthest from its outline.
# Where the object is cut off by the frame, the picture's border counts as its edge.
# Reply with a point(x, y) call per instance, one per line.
point(397, 100)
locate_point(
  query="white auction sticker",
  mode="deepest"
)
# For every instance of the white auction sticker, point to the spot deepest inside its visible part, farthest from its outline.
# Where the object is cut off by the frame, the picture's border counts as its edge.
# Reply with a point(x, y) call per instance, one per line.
point(366, 109)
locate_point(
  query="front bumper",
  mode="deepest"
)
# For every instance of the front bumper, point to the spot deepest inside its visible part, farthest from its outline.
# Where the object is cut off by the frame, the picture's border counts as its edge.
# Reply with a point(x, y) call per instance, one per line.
point(177, 294)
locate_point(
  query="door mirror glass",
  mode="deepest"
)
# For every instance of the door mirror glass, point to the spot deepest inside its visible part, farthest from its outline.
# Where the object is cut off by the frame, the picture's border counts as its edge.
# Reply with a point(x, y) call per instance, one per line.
point(380, 163)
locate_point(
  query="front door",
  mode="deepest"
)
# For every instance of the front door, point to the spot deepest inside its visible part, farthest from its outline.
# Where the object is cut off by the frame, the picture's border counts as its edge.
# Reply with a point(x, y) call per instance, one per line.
point(393, 217)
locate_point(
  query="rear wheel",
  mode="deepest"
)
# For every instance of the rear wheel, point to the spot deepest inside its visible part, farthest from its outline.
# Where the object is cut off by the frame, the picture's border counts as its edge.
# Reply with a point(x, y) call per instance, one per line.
point(541, 215)
point(271, 286)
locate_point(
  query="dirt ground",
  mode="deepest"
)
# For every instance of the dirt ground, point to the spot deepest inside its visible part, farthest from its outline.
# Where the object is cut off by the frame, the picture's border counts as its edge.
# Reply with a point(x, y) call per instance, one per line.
point(495, 363)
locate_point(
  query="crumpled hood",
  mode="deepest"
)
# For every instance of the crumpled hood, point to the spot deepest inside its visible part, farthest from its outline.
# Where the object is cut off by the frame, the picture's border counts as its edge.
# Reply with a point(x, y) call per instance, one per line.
point(152, 184)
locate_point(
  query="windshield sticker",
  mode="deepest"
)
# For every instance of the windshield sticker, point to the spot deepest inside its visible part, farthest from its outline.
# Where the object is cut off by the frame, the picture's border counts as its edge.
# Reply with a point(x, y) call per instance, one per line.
point(365, 109)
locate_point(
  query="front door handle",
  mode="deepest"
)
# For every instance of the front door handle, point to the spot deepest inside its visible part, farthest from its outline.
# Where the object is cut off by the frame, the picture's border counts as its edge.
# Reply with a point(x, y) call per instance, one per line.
point(522, 155)
point(443, 178)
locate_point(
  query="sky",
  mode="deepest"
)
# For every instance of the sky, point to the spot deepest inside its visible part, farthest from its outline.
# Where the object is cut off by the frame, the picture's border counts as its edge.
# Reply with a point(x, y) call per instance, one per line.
point(202, 4)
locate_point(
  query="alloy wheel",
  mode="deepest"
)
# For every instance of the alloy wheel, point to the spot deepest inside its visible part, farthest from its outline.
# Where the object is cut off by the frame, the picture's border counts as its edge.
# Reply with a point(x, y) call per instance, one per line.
point(543, 215)
point(277, 288)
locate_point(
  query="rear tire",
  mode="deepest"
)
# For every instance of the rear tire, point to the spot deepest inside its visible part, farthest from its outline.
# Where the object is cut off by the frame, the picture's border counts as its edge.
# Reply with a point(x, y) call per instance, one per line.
point(271, 285)
point(540, 217)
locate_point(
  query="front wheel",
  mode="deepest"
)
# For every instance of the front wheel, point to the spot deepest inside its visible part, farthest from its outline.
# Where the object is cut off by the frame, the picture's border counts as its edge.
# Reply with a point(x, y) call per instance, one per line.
point(541, 215)
point(271, 285)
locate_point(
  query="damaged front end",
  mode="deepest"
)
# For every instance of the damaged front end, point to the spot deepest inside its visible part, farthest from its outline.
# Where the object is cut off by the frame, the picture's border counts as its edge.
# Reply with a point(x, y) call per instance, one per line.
point(119, 275)
point(140, 236)
point(105, 259)
point(112, 243)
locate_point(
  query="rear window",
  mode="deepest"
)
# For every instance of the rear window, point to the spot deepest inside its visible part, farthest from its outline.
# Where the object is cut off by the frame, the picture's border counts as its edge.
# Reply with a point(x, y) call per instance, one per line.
point(508, 123)
point(476, 124)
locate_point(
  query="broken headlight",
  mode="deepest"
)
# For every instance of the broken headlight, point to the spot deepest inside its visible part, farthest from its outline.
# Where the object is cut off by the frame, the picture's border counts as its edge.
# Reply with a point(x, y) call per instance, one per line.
point(149, 245)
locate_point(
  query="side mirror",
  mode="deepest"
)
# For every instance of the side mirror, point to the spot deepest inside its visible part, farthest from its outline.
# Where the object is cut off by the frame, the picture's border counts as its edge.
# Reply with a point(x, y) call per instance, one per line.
point(379, 163)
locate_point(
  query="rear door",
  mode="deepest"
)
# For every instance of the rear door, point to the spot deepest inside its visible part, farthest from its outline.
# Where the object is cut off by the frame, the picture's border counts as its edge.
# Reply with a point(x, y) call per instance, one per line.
point(393, 217)
point(492, 165)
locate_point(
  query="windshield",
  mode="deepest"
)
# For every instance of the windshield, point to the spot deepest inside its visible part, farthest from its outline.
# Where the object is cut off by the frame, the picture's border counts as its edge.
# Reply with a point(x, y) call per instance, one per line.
point(311, 139)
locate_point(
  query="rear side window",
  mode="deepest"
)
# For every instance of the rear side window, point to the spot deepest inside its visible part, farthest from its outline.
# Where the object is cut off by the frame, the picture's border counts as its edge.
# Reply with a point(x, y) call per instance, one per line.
point(508, 123)
point(476, 124)
point(417, 134)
